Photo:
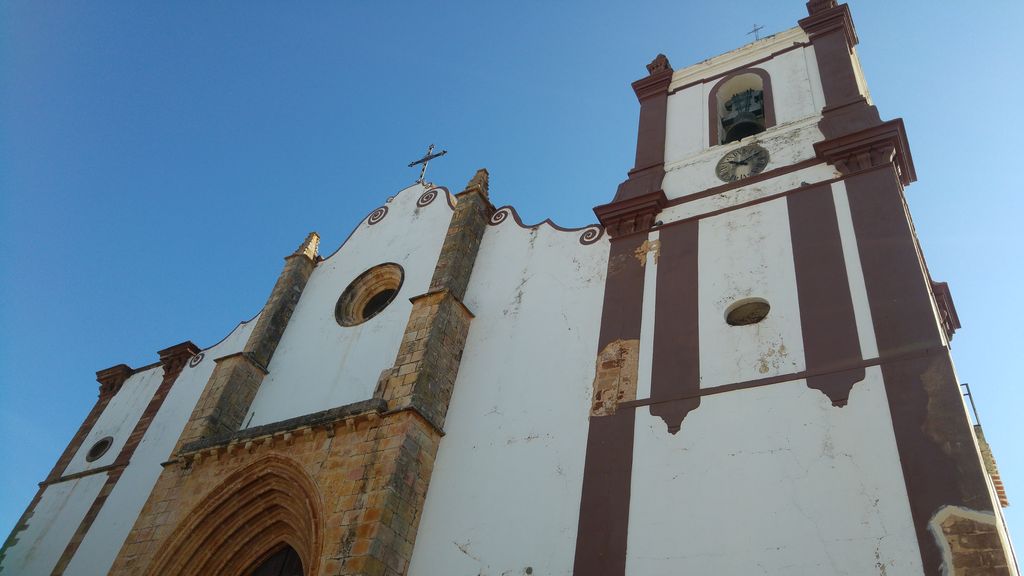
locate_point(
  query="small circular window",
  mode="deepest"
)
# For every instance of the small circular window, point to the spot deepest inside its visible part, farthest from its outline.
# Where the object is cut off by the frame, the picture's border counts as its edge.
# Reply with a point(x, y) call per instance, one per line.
point(99, 449)
point(746, 312)
point(369, 294)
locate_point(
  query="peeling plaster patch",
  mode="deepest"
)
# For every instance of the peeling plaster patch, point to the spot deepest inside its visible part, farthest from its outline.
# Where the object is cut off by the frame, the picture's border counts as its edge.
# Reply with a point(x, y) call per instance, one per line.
point(968, 539)
point(616, 375)
point(652, 246)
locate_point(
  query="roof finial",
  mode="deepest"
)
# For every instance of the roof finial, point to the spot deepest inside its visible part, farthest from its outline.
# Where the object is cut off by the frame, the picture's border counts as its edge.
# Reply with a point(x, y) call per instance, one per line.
point(479, 182)
point(659, 64)
point(309, 246)
point(815, 6)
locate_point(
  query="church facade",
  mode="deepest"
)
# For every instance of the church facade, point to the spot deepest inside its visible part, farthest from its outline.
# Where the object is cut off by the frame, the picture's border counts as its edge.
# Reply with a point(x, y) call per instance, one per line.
point(744, 367)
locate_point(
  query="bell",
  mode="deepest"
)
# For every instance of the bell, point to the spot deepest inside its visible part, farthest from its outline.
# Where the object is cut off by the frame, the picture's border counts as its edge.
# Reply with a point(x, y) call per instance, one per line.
point(741, 125)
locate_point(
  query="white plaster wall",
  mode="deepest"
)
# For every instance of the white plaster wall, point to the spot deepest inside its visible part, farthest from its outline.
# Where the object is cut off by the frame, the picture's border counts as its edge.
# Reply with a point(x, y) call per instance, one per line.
point(506, 486)
point(56, 517)
point(320, 364)
point(796, 92)
point(814, 77)
point(118, 419)
point(750, 192)
point(742, 254)
point(792, 89)
point(772, 480)
point(99, 549)
point(786, 145)
point(828, 495)
point(686, 119)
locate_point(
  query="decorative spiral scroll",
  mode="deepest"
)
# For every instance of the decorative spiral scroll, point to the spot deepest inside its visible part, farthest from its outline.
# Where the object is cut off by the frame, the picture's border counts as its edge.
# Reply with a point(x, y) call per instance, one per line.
point(499, 216)
point(195, 360)
point(591, 235)
point(427, 197)
point(377, 215)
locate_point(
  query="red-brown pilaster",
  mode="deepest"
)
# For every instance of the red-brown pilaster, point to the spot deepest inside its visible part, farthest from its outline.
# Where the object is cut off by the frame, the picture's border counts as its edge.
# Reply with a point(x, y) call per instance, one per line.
point(649, 169)
point(827, 320)
point(676, 358)
point(833, 36)
point(111, 380)
point(173, 360)
point(607, 471)
point(942, 469)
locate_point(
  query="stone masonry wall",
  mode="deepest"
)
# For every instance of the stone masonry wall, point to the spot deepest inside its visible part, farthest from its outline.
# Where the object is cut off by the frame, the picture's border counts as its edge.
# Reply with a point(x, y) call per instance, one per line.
point(973, 546)
point(235, 380)
point(366, 466)
point(370, 473)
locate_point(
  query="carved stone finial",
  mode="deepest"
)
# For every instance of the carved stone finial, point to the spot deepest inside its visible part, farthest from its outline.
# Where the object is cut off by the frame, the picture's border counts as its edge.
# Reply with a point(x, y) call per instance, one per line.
point(173, 359)
point(815, 6)
point(659, 64)
point(112, 378)
point(479, 182)
point(309, 246)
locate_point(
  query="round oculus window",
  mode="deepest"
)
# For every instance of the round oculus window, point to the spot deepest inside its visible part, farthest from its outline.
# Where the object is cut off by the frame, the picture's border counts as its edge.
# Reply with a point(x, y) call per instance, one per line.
point(369, 294)
point(99, 449)
point(746, 312)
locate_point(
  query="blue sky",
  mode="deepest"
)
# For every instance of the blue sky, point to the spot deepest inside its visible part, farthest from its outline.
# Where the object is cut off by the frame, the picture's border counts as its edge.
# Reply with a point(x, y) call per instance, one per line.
point(158, 160)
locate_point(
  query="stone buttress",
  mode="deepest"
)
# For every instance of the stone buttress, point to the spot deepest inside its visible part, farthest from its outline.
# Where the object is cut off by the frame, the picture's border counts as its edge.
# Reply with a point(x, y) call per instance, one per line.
point(344, 487)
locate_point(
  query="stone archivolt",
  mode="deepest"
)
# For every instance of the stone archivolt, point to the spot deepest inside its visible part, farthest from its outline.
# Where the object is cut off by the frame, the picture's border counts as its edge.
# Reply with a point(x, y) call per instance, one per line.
point(252, 514)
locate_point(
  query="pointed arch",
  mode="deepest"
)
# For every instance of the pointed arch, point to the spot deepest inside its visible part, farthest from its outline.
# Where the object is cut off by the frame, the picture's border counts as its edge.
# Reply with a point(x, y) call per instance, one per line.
point(254, 513)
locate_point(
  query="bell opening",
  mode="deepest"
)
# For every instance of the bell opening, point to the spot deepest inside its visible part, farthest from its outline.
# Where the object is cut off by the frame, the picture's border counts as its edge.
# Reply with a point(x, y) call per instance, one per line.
point(741, 111)
point(742, 130)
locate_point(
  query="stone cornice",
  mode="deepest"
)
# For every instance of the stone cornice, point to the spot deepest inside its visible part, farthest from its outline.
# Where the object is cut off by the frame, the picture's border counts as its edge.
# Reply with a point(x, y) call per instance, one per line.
point(657, 81)
point(632, 214)
point(835, 19)
point(111, 379)
point(435, 296)
point(874, 146)
point(356, 410)
point(245, 356)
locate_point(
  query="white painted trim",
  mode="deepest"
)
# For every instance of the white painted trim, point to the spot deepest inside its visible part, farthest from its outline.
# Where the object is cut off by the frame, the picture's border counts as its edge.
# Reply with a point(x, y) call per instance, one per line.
point(645, 360)
point(854, 272)
point(736, 58)
point(935, 527)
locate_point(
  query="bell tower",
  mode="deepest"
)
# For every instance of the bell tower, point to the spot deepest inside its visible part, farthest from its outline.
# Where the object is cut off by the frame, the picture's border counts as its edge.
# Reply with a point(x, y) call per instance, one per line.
point(763, 263)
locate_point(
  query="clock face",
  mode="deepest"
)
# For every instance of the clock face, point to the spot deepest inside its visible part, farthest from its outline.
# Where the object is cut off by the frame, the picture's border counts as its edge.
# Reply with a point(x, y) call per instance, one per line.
point(742, 162)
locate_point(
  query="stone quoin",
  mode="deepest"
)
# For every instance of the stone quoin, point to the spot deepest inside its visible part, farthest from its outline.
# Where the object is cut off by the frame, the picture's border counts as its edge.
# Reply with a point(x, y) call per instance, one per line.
point(742, 368)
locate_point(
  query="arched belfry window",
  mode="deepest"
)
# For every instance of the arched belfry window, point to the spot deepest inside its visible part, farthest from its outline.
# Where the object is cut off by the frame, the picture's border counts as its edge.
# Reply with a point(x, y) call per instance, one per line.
point(740, 105)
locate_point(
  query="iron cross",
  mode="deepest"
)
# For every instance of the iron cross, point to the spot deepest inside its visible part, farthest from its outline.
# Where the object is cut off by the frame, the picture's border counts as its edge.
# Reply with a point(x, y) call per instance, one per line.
point(756, 32)
point(426, 158)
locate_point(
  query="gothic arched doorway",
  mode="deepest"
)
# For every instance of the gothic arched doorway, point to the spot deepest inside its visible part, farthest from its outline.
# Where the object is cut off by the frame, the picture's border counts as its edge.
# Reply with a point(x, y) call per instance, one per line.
point(267, 508)
point(284, 562)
